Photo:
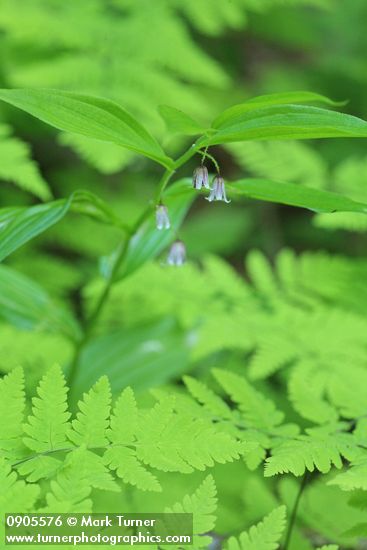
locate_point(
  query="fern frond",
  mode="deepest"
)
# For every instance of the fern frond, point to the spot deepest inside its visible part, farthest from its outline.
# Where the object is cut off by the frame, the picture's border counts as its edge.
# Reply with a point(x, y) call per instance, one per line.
point(208, 398)
point(124, 419)
point(258, 411)
point(263, 536)
point(12, 404)
point(16, 495)
point(17, 166)
point(70, 491)
point(48, 425)
point(92, 469)
point(121, 458)
point(172, 442)
point(130, 470)
point(39, 467)
point(202, 504)
point(354, 478)
point(306, 388)
point(91, 422)
point(290, 161)
point(310, 453)
point(348, 393)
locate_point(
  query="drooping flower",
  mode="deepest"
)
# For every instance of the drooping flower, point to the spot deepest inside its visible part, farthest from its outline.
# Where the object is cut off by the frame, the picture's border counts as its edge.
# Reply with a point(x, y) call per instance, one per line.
point(162, 218)
point(218, 191)
point(177, 254)
point(200, 178)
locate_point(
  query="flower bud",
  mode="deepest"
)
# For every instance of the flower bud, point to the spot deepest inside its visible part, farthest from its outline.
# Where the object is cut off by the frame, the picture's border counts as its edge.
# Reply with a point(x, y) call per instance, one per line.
point(177, 254)
point(161, 216)
point(218, 191)
point(200, 178)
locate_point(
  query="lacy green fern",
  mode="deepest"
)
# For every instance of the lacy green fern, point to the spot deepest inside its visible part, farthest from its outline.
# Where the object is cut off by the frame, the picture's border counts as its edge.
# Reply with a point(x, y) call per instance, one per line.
point(76, 456)
point(17, 166)
point(264, 536)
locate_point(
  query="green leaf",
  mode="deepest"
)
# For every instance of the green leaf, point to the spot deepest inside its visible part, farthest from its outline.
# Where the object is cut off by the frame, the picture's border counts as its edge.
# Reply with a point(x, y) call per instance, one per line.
point(353, 478)
point(179, 122)
point(92, 469)
point(287, 122)
point(205, 396)
point(39, 467)
point(89, 116)
point(141, 357)
point(130, 470)
point(70, 490)
point(27, 305)
point(295, 195)
point(263, 536)
point(19, 225)
point(231, 114)
point(182, 442)
point(309, 453)
point(89, 427)
point(203, 505)
point(258, 411)
point(12, 403)
point(47, 427)
point(121, 458)
point(16, 495)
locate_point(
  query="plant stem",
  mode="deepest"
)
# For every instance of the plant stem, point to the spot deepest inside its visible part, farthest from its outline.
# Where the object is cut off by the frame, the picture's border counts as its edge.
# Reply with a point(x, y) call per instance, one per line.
point(89, 325)
point(294, 512)
point(205, 155)
point(91, 321)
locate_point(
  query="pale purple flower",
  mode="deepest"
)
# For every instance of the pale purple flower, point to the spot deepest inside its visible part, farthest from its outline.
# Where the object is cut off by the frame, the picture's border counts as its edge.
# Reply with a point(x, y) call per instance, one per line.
point(161, 216)
point(177, 254)
point(200, 178)
point(218, 191)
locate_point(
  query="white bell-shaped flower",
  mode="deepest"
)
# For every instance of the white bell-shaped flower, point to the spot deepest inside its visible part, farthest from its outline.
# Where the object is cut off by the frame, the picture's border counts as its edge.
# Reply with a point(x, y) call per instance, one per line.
point(162, 218)
point(200, 178)
point(218, 191)
point(177, 254)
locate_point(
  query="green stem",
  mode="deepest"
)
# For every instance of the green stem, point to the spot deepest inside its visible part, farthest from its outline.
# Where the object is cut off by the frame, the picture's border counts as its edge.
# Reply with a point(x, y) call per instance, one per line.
point(293, 517)
point(205, 154)
point(90, 323)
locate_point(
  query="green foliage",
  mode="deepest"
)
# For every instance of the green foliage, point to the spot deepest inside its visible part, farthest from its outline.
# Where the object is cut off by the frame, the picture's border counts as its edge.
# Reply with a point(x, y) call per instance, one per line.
point(88, 116)
point(264, 536)
point(202, 504)
point(256, 370)
point(46, 428)
point(26, 304)
point(69, 454)
point(295, 195)
point(17, 166)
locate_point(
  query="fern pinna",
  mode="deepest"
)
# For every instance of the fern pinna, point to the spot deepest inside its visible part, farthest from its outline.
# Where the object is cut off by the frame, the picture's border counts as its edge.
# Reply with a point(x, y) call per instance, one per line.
point(52, 462)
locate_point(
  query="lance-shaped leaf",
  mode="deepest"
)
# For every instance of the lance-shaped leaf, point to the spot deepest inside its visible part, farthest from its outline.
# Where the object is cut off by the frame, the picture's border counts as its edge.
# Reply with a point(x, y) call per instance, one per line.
point(295, 195)
point(19, 225)
point(286, 122)
point(89, 116)
point(24, 303)
point(179, 122)
point(230, 115)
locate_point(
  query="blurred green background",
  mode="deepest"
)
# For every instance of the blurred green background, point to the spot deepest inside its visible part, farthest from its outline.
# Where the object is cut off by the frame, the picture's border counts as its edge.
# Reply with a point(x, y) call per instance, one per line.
point(265, 285)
